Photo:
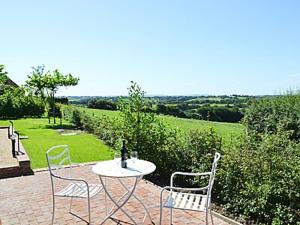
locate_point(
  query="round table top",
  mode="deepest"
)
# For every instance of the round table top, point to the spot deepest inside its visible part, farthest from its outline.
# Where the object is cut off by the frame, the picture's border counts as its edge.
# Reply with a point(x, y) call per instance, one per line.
point(112, 168)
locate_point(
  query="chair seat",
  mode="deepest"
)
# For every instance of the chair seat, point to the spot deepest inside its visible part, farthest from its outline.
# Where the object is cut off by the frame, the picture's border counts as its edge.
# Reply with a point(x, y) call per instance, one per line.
point(186, 201)
point(79, 190)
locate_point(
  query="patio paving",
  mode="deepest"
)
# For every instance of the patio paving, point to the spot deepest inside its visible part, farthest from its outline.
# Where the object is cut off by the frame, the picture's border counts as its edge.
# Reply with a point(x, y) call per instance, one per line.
point(27, 200)
point(6, 158)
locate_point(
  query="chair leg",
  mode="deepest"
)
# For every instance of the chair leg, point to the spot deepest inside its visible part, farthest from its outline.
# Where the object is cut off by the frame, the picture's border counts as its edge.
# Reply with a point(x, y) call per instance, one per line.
point(89, 209)
point(171, 215)
point(206, 217)
point(211, 217)
point(71, 202)
point(105, 197)
point(53, 209)
point(160, 214)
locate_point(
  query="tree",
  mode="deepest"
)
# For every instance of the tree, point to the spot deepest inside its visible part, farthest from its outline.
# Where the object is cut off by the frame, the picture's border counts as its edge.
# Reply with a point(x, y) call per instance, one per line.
point(142, 131)
point(3, 78)
point(46, 84)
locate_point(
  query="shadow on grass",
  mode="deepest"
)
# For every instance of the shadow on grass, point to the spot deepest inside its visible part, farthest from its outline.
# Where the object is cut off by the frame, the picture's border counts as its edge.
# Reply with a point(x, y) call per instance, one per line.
point(60, 126)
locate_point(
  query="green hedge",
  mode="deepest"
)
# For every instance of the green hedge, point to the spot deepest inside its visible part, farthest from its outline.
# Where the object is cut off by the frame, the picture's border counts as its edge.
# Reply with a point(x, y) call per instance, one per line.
point(276, 114)
point(171, 150)
point(15, 103)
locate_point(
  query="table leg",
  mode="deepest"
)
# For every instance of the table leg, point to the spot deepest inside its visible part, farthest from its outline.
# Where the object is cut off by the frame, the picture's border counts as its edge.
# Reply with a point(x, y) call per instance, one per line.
point(145, 208)
point(118, 207)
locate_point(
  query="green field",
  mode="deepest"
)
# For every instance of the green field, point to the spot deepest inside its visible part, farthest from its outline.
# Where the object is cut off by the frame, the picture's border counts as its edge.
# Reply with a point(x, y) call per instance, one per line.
point(84, 147)
point(226, 130)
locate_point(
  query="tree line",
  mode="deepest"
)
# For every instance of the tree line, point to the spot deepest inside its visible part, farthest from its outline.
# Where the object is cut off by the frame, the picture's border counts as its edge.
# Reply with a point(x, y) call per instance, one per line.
point(183, 110)
point(36, 97)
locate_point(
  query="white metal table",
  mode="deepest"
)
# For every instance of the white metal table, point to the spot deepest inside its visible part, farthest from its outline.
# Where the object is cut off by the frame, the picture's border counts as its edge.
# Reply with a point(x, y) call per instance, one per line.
point(112, 169)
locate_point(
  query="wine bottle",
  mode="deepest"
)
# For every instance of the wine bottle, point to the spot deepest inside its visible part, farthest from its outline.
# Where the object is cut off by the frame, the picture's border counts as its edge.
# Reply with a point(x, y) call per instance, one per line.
point(124, 156)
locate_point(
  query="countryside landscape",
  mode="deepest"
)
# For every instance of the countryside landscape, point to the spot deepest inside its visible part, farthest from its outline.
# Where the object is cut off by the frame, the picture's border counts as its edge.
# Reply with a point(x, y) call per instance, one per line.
point(232, 140)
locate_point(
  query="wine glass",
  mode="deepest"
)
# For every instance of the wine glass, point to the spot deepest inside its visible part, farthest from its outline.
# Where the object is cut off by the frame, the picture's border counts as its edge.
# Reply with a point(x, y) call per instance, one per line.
point(134, 156)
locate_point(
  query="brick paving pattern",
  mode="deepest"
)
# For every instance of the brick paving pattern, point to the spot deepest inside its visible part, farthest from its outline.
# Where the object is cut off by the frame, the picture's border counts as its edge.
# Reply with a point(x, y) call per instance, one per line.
point(27, 200)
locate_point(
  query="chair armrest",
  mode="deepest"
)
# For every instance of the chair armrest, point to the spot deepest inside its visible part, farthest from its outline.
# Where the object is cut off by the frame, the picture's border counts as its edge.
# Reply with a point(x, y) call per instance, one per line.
point(188, 174)
point(183, 189)
point(71, 179)
point(78, 180)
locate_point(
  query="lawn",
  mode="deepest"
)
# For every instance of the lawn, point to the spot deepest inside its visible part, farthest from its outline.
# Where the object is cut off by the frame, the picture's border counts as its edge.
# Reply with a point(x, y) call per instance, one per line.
point(226, 130)
point(84, 147)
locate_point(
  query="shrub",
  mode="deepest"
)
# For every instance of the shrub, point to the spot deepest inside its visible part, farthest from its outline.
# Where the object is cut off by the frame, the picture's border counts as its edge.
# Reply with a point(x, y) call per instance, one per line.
point(170, 149)
point(142, 131)
point(220, 113)
point(15, 103)
point(261, 173)
point(273, 115)
point(102, 104)
point(260, 179)
point(77, 119)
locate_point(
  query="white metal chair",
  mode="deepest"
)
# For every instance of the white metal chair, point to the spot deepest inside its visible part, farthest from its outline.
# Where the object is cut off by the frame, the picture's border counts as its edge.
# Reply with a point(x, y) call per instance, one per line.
point(58, 157)
point(188, 198)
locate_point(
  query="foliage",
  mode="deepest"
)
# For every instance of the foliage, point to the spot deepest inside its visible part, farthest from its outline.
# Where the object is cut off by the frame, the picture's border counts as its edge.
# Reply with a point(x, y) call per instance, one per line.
point(46, 84)
point(62, 100)
point(219, 113)
point(3, 79)
point(260, 179)
point(102, 104)
point(170, 110)
point(145, 132)
point(203, 112)
point(16, 103)
point(228, 131)
point(214, 108)
point(258, 176)
point(273, 115)
point(142, 130)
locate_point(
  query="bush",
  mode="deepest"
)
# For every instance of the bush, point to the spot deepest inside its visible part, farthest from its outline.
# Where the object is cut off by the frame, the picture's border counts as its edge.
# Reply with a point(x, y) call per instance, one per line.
point(170, 149)
point(260, 179)
point(220, 113)
point(15, 103)
point(170, 110)
point(102, 104)
point(273, 115)
point(142, 131)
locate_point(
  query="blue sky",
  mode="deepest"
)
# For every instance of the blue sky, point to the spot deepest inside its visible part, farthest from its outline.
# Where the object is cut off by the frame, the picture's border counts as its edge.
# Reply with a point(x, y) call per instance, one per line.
point(168, 47)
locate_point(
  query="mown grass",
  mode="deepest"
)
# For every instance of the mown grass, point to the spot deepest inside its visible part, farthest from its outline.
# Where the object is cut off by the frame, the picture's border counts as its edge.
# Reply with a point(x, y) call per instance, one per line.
point(228, 131)
point(83, 147)
point(86, 147)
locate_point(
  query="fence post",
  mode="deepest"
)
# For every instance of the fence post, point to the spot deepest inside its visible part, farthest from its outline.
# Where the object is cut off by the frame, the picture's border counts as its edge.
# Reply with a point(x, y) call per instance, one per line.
point(18, 135)
point(12, 127)
point(8, 132)
point(13, 143)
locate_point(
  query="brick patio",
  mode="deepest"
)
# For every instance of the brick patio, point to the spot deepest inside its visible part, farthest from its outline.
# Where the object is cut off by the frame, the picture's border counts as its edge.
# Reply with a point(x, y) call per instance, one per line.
point(27, 200)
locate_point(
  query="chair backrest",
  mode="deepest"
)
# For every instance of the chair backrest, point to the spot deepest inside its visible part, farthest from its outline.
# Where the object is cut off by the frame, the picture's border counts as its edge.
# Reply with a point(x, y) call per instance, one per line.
point(57, 157)
point(213, 173)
